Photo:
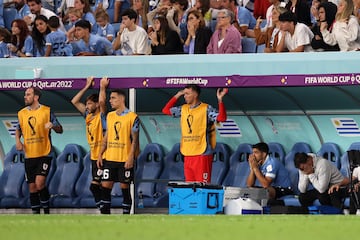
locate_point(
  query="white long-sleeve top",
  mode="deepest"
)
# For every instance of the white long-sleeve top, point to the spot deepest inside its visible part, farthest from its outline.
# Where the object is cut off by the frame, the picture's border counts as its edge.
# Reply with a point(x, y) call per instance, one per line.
point(325, 175)
point(347, 35)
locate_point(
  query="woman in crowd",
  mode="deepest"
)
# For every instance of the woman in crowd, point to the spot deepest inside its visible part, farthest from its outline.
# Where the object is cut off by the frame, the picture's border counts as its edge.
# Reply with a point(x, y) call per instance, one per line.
point(163, 39)
point(198, 36)
point(141, 7)
point(326, 13)
point(40, 30)
point(345, 31)
point(226, 39)
point(21, 41)
point(87, 14)
point(271, 36)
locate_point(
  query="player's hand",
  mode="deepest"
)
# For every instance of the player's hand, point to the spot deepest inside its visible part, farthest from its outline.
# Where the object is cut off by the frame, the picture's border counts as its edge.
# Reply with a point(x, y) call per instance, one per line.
point(89, 82)
point(252, 161)
point(104, 82)
point(19, 146)
point(180, 93)
point(334, 188)
point(129, 164)
point(221, 92)
point(48, 125)
point(99, 163)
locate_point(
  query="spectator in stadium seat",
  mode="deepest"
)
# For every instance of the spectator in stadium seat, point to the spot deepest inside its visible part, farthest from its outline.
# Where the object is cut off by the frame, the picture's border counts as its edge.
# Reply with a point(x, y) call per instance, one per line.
point(163, 39)
point(56, 42)
point(301, 9)
point(21, 40)
point(198, 136)
point(199, 35)
point(73, 16)
point(39, 33)
point(119, 7)
point(296, 37)
point(104, 27)
point(326, 12)
point(272, 35)
point(243, 19)
point(226, 39)
point(131, 39)
point(269, 11)
point(161, 8)
point(121, 148)
point(203, 7)
point(330, 186)
point(345, 30)
point(35, 124)
point(22, 9)
point(89, 44)
point(94, 111)
point(5, 39)
point(87, 14)
point(37, 9)
point(176, 16)
point(141, 7)
point(268, 172)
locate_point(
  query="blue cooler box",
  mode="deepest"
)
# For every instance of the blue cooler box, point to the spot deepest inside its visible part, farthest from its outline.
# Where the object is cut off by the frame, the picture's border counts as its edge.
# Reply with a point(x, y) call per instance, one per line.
point(195, 198)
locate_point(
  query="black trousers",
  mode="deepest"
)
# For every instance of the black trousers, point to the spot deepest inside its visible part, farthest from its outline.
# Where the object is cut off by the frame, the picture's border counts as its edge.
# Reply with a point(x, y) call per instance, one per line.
point(335, 199)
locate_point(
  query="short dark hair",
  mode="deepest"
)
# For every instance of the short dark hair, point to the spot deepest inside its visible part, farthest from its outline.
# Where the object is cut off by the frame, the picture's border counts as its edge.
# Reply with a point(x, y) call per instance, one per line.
point(288, 16)
point(120, 92)
point(130, 13)
point(37, 91)
point(262, 147)
point(300, 158)
point(54, 22)
point(93, 97)
point(194, 87)
point(83, 24)
point(36, 1)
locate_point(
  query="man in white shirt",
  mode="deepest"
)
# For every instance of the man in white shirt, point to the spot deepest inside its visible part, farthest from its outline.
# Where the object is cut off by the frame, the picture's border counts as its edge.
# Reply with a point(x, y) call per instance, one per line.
point(131, 39)
point(37, 9)
point(328, 182)
point(296, 37)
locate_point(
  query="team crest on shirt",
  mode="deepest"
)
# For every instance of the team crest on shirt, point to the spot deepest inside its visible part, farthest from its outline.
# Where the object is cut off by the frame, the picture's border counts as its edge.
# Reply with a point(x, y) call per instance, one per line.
point(269, 168)
point(205, 176)
point(127, 174)
point(45, 166)
point(99, 172)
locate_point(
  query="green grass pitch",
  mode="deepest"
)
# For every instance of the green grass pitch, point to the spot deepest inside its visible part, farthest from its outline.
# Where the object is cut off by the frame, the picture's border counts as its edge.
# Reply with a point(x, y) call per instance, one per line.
point(173, 227)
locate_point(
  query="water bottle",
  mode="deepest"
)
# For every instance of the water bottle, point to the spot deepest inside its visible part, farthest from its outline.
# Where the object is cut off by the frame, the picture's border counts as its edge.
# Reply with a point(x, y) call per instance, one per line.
point(140, 200)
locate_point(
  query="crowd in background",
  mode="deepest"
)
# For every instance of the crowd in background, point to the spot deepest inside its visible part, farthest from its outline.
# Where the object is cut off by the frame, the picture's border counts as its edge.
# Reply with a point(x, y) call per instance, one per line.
point(43, 28)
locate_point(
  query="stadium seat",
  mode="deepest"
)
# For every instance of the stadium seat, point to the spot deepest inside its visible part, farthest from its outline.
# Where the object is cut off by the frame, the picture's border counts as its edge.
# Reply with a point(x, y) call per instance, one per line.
point(82, 187)
point(9, 16)
point(12, 180)
point(53, 156)
point(276, 150)
point(150, 164)
point(331, 152)
point(116, 196)
point(220, 164)
point(173, 171)
point(239, 166)
point(248, 45)
point(294, 172)
point(344, 160)
point(69, 166)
